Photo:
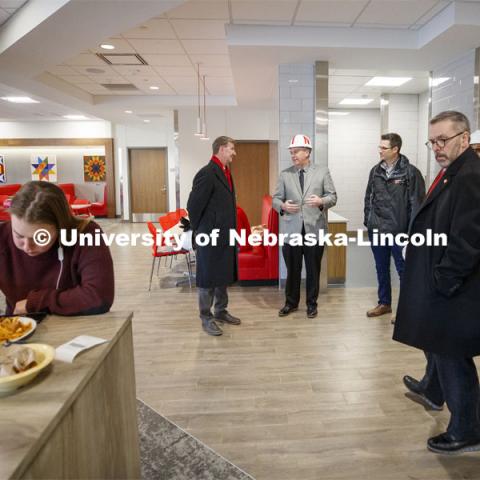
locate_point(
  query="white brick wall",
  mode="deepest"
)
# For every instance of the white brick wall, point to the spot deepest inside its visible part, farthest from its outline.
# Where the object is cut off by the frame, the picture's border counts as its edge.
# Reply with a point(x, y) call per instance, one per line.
point(457, 92)
point(296, 106)
point(352, 152)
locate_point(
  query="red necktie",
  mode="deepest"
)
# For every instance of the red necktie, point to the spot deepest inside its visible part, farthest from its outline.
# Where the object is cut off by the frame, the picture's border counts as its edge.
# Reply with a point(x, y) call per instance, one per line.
point(435, 182)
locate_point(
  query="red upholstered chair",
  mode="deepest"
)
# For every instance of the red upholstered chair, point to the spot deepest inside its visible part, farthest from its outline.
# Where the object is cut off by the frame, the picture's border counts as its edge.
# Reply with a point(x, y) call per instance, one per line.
point(100, 209)
point(243, 224)
point(7, 191)
point(259, 265)
point(69, 191)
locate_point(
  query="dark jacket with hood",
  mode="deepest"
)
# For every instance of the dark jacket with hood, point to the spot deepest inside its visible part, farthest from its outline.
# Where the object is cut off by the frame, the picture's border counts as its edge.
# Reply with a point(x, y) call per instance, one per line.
point(390, 202)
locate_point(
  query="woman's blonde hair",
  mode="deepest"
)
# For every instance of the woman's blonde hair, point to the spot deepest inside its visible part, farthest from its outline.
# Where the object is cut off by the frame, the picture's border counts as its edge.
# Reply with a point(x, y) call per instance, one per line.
point(43, 202)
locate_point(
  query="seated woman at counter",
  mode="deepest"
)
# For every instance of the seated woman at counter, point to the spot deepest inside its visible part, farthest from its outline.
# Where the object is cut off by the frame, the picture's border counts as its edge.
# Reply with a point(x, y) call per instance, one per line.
point(37, 274)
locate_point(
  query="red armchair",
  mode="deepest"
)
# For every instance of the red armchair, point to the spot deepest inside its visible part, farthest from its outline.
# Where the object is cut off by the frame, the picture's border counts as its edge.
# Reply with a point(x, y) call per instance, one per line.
point(100, 209)
point(259, 265)
point(69, 191)
point(7, 191)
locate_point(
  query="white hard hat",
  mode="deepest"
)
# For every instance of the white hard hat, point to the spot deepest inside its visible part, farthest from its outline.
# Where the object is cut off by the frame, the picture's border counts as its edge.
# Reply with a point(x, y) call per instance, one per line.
point(300, 141)
point(475, 137)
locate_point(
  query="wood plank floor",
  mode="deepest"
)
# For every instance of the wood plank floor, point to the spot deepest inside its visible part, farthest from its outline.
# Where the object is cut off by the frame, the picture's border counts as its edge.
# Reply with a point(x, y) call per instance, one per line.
point(282, 398)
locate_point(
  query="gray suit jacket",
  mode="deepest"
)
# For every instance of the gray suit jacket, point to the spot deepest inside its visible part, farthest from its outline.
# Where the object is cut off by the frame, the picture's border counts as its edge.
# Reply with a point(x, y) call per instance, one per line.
point(317, 181)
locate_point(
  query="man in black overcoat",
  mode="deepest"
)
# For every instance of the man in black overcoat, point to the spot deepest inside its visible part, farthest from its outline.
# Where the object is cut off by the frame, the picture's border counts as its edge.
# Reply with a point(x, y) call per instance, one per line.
point(211, 205)
point(439, 304)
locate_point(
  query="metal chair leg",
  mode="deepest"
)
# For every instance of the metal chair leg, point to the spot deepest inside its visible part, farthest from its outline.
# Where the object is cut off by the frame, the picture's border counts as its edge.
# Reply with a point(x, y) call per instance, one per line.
point(151, 273)
point(189, 268)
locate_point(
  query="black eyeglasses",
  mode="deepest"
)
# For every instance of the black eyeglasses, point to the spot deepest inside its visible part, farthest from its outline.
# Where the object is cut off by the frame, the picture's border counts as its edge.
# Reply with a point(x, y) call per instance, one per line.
point(441, 142)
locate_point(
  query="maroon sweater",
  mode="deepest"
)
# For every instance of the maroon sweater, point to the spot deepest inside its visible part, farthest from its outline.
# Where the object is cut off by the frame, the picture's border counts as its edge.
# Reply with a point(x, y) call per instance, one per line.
point(86, 284)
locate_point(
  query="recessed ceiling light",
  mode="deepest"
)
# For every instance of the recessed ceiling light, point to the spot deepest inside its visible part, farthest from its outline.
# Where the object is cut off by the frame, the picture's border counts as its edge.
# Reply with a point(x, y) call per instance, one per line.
point(205, 138)
point(75, 117)
point(338, 114)
point(20, 100)
point(356, 101)
point(107, 46)
point(128, 111)
point(293, 80)
point(147, 121)
point(439, 80)
point(154, 87)
point(387, 81)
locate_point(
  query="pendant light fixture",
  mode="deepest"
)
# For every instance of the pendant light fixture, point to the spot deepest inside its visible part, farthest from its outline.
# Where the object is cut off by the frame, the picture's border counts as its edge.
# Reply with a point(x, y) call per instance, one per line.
point(204, 125)
point(199, 131)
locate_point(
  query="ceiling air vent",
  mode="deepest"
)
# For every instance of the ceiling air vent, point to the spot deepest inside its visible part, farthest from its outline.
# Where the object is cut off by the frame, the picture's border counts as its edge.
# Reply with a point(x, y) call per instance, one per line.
point(120, 87)
point(122, 58)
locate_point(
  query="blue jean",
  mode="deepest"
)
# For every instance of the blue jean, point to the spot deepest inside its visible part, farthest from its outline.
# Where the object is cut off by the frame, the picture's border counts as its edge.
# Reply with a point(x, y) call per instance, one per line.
point(382, 264)
point(455, 380)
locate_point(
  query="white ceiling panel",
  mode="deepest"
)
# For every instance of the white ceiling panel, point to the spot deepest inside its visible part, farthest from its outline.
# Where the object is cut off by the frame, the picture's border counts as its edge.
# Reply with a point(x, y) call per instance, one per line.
point(167, 60)
point(164, 89)
point(76, 79)
point(106, 70)
point(135, 70)
point(154, 28)
point(201, 29)
point(12, 4)
point(175, 71)
point(4, 15)
point(212, 47)
point(87, 59)
point(94, 89)
point(108, 79)
point(216, 71)
point(329, 11)
point(265, 11)
point(62, 70)
point(121, 46)
point(394, 13)
point(211, 60)
point(199, 9)
point(433, 11)
point(151, 46)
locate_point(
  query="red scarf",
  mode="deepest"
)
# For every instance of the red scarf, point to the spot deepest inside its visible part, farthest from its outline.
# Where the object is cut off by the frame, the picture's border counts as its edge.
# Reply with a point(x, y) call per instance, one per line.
point(436, 181)
point(225, 170)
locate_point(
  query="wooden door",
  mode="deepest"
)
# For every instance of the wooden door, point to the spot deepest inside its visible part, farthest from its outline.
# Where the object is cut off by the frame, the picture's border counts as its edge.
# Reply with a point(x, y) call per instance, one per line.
point(250, 170)
point(148, 180)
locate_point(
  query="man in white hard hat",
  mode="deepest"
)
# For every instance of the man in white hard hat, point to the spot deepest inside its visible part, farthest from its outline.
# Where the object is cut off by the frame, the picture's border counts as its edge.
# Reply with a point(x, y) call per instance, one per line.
point(304, 192)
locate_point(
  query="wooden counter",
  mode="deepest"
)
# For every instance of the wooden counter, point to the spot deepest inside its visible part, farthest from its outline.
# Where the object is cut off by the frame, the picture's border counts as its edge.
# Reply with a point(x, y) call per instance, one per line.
point(75, 420)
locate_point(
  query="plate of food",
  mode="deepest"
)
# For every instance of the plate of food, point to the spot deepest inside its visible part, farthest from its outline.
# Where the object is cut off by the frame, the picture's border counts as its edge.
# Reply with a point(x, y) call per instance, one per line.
point(20, 364)
point(14, 329)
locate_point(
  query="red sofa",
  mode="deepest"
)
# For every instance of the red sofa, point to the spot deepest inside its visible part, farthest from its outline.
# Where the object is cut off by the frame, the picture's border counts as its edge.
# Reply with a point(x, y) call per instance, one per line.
point(259, 265)
point(5, 192)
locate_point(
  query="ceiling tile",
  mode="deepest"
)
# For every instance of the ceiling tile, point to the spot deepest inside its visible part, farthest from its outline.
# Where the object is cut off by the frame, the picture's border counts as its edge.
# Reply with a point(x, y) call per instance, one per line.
point(163, 90)
point(176, 71)
point(134, 70)
point(106, 70)
point(199, 9)
point(331, 11)
point(94, 89)
point(432, 12)
point(211, 60)
point(76, 79)
point(213, 47)
point(201, 29)
point(394, 13)
point(216, 71)
point(3, 16)
point(153, 28)
point(87, 59)
point(121, 46)
point(167, 60)
point(266, 11)
point(15, 4)
point(151, 46)
point(183, 85)
point(62, 70)
point(108, 79)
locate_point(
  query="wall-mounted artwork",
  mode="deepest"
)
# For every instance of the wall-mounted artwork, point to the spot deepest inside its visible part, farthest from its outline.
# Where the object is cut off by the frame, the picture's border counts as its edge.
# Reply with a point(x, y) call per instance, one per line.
point(44, 167)
point(3, 172)
point(94, 168)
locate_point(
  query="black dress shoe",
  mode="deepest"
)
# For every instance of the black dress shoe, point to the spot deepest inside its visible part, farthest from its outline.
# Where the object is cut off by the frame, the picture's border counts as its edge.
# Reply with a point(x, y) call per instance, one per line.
point(210, 327)
point(418, 395)
point(449, 445)
point(286, 310)
point(312, 312)
point(225, 317)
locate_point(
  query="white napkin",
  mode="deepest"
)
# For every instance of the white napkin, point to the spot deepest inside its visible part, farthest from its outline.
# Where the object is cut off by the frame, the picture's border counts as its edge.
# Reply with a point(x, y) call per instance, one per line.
point(68, 351)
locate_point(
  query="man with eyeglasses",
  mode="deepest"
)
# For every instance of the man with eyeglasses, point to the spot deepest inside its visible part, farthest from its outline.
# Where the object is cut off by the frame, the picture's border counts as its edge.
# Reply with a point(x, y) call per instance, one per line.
point(439, 305)
point(395, 189)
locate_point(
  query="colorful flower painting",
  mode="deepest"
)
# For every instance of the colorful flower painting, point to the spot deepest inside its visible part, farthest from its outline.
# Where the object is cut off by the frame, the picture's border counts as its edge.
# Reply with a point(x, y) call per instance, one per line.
point(3, 172)
point(44, 167)
point(94, 168)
